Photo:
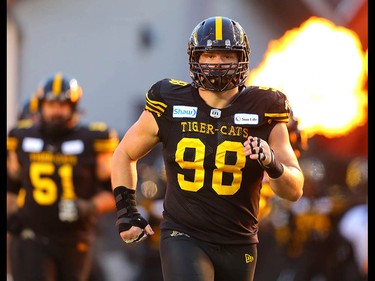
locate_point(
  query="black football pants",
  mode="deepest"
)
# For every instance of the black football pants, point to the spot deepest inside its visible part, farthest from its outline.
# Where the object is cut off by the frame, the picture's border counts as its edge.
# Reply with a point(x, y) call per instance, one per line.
point(184, 258)
point(44, 259)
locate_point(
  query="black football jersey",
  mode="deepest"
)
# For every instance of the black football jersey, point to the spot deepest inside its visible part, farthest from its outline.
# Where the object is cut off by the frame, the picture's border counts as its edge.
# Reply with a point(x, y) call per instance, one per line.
point(55, 171)
point(212, 188)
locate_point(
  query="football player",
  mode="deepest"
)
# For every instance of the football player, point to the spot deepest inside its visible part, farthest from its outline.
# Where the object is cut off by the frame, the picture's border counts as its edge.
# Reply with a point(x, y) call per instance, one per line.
point(64, 168)
point(218, 138)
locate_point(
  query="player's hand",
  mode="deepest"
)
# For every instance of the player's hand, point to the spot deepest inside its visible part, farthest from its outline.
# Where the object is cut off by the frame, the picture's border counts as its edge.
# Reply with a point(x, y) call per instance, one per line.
point(136, 234)
point(257, 149)
point(14, 224)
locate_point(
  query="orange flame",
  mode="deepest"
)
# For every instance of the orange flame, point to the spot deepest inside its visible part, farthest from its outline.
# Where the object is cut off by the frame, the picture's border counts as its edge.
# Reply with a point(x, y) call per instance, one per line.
point(323, 70)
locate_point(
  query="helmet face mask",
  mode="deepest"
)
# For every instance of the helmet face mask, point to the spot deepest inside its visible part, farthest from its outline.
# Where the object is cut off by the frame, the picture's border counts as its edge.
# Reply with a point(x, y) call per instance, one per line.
point(218, 76)
point(218, 34)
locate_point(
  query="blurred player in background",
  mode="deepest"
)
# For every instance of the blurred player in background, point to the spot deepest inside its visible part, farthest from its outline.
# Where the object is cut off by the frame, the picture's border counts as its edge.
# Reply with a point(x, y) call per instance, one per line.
point(64, 169)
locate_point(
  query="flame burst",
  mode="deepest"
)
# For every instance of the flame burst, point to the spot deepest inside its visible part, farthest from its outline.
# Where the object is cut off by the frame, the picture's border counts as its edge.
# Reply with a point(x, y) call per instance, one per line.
point(323, 70)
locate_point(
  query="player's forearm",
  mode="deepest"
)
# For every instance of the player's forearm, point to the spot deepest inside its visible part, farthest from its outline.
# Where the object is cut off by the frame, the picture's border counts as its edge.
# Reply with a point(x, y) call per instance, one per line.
point(124, 171)
point(289, 185)
point(12, 206)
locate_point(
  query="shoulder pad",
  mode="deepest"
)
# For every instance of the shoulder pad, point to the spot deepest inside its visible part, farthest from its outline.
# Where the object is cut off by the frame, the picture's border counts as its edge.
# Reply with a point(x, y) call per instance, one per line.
point(159, 92)
point(97, 126)
point(278, 108)
point(154, 102)
point(178, 82)
point(24, 123)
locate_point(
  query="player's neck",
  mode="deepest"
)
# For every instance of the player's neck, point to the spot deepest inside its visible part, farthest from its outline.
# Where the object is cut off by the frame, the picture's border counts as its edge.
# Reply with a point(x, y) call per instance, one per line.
point(218, 99)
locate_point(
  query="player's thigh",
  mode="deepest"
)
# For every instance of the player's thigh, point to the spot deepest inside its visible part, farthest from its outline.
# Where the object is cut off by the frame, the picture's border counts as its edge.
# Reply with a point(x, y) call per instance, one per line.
point(28, 259)
point(182, 259)
point(235, 262)
point(75, 261)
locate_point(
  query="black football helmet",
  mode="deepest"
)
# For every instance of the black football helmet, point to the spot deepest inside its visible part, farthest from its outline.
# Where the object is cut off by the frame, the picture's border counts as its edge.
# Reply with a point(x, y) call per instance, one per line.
point(61, 88)
point(218, 34)
point(58, 87)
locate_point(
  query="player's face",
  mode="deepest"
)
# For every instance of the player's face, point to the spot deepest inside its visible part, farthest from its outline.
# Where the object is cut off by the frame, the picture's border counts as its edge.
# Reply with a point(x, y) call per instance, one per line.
point(56, 111)
point(216, 57)
point(219, 62)
point(218, 66)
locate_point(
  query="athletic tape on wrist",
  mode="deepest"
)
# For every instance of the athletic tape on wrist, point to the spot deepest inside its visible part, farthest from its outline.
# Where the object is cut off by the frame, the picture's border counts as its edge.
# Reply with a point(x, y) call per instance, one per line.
point(274, 169)
point(127, 213)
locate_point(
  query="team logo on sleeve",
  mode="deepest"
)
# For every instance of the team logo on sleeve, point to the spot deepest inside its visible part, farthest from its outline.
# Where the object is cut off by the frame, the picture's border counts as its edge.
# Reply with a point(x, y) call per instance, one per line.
point(182, 111)
point(245, 118)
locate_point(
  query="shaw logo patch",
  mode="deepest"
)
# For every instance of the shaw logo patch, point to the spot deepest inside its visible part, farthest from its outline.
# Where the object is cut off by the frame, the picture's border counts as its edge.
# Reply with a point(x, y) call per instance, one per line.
point(182, 111)
point(245, 118)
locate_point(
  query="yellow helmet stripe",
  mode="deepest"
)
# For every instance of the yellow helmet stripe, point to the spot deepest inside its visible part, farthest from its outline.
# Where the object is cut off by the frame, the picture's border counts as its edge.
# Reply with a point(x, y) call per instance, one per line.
point(219, 28)
point(57, 84)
